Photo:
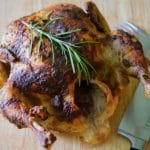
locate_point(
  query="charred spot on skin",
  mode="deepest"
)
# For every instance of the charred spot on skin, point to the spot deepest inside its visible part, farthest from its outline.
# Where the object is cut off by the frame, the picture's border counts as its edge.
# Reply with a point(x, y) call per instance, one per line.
point(7, 55)
point(145, 77)
point(56, 101)
point(69, 111)
point(39, 112)
point(46, 138)
point(52, 139)
point(6, 103)
point(126, 63)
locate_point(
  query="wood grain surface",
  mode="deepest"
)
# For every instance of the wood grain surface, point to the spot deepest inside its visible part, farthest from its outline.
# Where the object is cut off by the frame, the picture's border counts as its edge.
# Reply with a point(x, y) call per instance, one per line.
point(115, 11)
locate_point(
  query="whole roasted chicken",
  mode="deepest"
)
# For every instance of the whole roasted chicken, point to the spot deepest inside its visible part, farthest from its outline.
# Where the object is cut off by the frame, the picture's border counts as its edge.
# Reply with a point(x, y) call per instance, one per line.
point(59, 58)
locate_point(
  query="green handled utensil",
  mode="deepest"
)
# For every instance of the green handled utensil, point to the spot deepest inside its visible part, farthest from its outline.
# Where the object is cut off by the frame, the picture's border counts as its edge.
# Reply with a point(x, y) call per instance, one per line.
point(135, 124)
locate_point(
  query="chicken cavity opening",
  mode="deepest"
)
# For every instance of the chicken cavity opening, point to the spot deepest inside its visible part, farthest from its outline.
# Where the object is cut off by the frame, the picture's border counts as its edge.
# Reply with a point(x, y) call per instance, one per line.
point(90, 99)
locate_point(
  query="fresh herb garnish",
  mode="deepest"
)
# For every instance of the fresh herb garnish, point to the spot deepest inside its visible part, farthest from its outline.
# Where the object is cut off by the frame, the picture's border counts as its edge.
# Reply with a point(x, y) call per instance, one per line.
point(78, 63)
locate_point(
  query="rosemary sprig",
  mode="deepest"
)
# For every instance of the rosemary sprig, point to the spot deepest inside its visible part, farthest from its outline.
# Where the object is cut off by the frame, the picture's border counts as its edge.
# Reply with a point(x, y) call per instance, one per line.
point(78, 63)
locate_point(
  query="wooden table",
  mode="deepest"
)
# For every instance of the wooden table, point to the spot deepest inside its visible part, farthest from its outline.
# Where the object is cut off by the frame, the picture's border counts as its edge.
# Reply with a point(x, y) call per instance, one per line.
point(115, 11)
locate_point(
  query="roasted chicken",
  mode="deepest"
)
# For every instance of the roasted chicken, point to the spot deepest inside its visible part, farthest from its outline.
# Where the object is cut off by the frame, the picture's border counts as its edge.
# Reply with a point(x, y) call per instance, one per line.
point(46, 95)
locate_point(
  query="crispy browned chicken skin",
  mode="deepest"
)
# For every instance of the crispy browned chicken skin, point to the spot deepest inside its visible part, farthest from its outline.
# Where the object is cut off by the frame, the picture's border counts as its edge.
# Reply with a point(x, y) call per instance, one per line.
point(42, 94)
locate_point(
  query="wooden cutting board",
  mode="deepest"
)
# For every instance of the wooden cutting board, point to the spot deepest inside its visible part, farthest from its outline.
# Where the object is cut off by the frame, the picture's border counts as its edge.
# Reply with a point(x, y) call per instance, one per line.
point(115, 11)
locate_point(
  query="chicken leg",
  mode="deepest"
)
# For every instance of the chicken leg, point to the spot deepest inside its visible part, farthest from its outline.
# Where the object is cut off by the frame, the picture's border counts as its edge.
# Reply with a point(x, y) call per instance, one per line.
point(132, 57)
point(18, 110)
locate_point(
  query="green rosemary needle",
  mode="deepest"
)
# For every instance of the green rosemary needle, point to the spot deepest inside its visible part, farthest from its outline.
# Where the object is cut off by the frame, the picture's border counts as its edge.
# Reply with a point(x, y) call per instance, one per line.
point(78, 63)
